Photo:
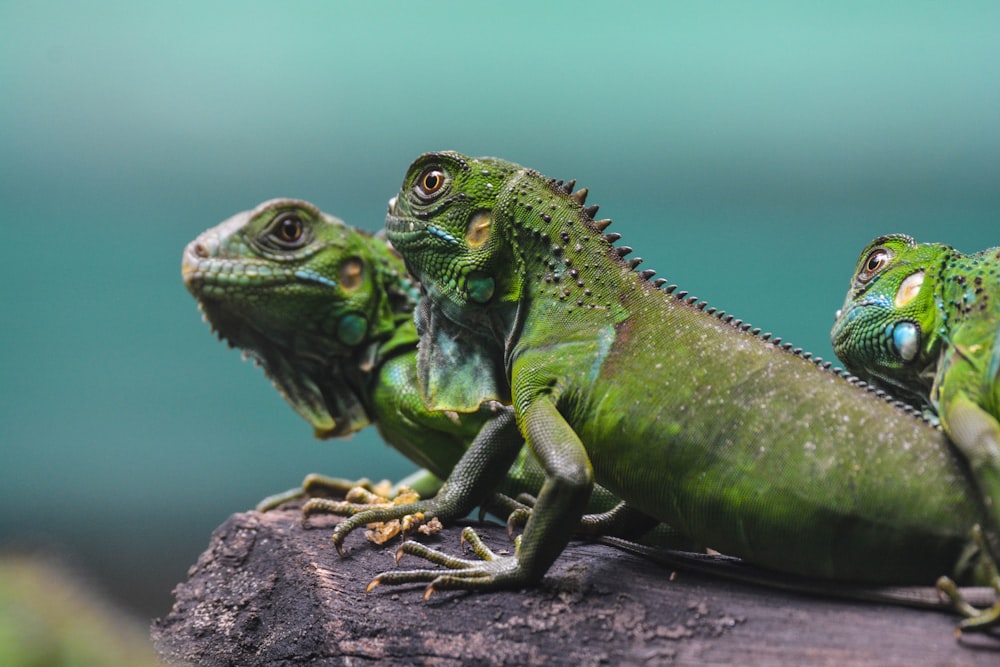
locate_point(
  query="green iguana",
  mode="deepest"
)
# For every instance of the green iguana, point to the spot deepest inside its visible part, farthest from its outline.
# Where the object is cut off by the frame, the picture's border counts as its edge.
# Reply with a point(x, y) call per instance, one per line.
point(923, 321)
point(327, 311)
point(736, 440)
point(267, 276)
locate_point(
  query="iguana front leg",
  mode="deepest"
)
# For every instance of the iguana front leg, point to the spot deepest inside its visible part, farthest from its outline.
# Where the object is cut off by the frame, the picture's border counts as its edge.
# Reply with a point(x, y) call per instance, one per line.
point(975, 618)
point(976, 434)
point(480, 470)
point(560, 505)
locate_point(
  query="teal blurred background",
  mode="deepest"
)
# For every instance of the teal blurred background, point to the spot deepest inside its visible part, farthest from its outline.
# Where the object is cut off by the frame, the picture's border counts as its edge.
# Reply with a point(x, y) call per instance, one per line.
point(748, 151)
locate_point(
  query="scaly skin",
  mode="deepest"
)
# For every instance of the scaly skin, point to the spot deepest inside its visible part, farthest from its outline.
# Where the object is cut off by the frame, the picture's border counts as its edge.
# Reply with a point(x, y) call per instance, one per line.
point(327, 310)
point(923, 320)
point(687, 416)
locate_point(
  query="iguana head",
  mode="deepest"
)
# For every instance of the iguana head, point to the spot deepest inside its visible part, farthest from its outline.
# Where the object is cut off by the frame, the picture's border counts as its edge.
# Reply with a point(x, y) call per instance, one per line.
point(475, 226)
point(486, 237)
point(443, 222)
point(888, 329)
point(307, 297)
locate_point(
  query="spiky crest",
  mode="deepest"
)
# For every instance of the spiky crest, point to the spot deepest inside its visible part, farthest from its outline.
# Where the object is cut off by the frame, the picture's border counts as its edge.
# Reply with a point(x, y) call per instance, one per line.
point(620, 252)
point(553, 244)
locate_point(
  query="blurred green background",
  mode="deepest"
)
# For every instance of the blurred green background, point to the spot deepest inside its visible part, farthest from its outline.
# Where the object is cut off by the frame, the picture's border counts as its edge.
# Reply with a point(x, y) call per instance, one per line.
point(748, 151)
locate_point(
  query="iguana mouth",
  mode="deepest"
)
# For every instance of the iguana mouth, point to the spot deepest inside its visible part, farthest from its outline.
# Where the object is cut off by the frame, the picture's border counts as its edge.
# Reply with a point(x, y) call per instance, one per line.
point(846, 316)
point(201, 271)
point(403, 232)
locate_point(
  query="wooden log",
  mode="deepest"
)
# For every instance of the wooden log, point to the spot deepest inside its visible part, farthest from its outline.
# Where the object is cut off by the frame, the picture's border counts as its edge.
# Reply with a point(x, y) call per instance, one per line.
point(269, 592)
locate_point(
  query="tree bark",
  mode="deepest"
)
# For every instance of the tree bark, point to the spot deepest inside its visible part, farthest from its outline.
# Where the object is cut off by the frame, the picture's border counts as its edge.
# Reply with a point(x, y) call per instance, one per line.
point(269, 592)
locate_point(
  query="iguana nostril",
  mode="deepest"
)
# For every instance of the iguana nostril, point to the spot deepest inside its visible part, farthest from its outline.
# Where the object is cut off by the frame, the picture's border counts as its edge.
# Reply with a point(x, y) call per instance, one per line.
point(199, 250)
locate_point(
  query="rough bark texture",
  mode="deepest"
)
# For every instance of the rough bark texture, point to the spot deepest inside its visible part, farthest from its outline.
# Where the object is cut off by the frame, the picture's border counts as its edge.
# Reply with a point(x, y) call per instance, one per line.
point(268, 592)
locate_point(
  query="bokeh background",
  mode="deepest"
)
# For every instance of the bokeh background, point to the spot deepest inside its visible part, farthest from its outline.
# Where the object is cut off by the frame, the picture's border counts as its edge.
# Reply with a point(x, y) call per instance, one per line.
point(748, 151)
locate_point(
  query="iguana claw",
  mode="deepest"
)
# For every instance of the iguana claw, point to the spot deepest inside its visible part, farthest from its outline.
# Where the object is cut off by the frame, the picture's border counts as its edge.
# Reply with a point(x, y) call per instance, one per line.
point(517, 519)
point(491, 571)
point(975, 619)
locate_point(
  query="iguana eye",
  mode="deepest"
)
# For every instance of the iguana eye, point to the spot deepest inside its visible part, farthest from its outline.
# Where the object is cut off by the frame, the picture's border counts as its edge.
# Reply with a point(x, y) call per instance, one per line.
point(874, 263)
point(430, 182)
point(288, 229)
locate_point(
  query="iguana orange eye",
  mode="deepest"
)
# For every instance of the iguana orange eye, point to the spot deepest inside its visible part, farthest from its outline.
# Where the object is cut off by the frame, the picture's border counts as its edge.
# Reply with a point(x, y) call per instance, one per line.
point(874, 263)
point(288, 229)
point(430, 182)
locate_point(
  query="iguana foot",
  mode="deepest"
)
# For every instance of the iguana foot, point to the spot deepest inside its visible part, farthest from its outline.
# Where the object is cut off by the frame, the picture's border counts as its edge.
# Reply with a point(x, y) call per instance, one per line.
point(620, 521)
point(492, 571)
point(362, 498)
point(976, 619)
point(318, 486)
point(405, 513)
